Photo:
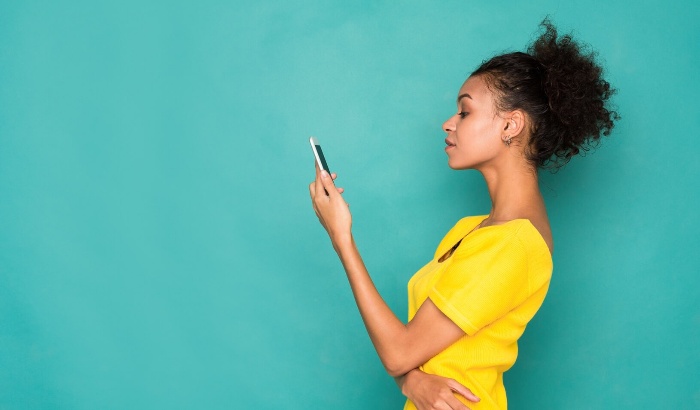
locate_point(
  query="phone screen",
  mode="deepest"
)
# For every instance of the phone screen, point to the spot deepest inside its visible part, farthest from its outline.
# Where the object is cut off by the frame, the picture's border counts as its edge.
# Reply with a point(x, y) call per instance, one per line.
point(324, 165)
point(319, 154)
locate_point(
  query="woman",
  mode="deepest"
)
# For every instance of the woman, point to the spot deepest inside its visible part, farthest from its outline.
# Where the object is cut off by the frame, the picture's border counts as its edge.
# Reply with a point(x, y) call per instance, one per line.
point(470, 304)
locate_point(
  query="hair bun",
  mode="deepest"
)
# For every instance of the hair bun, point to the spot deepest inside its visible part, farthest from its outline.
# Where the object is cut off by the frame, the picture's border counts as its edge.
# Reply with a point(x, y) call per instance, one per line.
point(576, 91)
point(560, 86)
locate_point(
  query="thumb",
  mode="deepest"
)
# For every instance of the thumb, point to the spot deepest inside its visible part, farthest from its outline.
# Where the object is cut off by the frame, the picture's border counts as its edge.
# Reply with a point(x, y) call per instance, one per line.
point(327, 182)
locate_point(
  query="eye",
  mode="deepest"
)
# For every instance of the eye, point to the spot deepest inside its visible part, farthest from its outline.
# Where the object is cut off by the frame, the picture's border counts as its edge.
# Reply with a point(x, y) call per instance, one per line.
point(462, 114)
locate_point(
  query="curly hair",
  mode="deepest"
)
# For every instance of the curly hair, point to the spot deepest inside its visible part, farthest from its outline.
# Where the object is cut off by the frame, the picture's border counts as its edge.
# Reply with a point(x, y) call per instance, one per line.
point(560, 86)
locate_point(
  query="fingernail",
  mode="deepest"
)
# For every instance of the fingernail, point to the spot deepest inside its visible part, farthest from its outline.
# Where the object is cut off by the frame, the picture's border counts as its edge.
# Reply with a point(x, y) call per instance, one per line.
point(324, 174)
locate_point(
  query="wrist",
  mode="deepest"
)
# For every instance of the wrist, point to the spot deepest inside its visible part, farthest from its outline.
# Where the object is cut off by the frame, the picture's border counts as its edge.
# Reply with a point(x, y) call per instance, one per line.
point(406, 381)
point(343, 242)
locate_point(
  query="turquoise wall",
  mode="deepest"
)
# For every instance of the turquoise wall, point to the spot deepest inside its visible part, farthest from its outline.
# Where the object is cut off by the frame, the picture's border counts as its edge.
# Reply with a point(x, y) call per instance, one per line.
point(157, 245)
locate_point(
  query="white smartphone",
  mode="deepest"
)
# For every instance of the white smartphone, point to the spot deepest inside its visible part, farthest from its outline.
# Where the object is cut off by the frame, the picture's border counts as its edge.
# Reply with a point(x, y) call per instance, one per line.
point(318, 153)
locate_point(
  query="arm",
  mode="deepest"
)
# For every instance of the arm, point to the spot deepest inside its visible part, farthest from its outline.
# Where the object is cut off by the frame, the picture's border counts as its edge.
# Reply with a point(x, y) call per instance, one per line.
point(400, 347)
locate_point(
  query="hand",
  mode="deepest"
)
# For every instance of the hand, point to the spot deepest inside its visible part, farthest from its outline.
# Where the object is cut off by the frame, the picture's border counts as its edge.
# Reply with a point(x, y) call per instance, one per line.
point(431, 392)
point(330, 207)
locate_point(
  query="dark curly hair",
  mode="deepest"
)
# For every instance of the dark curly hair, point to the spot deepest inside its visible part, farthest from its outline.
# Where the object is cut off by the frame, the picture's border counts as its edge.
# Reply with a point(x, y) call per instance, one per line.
point(560, 86)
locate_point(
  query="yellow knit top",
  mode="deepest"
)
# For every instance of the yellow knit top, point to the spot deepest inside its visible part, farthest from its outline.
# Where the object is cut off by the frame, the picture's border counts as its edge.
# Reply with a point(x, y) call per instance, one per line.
point(491, 287)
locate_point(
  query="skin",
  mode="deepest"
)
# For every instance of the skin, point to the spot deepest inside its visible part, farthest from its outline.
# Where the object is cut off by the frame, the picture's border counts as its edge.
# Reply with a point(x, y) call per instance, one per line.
point(476, 135)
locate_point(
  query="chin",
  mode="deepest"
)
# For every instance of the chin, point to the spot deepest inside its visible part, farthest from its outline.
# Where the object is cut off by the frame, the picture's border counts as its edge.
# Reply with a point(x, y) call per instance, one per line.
point(458, 166)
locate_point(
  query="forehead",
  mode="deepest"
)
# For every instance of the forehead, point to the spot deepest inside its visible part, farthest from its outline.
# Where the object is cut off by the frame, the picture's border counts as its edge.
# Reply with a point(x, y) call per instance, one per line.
point(475, 87)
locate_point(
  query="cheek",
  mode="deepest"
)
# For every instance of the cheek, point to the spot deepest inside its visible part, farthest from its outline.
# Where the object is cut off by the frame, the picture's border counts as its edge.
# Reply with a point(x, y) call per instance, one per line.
point(479, 135)
point(477, 142)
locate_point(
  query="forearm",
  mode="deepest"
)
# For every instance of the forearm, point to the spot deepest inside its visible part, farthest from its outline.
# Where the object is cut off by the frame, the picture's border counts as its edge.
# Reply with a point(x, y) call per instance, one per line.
point(388, 334)
point(400, 347)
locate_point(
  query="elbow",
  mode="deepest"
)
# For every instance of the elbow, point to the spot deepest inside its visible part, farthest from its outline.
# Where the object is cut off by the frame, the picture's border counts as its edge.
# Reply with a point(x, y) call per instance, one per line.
point(396, 372)
point(397, 366)
point(400, 356)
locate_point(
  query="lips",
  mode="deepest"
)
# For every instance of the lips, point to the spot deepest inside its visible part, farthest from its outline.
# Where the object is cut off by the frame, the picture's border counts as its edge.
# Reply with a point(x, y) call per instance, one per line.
point(449, 143)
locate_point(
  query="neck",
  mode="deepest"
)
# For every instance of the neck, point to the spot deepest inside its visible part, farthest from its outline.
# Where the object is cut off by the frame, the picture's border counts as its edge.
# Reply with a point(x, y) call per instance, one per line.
point(514, 192)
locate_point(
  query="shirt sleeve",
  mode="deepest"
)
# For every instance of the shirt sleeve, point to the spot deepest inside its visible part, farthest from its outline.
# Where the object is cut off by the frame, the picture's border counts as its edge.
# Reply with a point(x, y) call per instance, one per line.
point(483, 282)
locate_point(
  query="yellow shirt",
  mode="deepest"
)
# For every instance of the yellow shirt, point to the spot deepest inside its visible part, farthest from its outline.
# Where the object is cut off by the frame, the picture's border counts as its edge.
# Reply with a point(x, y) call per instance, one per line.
point(491, 287)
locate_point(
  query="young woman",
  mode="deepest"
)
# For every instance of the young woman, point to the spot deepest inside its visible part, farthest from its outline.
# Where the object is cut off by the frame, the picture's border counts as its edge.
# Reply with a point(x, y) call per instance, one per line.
point(470, 304)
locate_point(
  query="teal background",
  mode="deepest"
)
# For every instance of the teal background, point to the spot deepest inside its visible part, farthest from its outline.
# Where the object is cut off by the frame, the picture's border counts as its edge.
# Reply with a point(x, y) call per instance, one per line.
point(158, 248)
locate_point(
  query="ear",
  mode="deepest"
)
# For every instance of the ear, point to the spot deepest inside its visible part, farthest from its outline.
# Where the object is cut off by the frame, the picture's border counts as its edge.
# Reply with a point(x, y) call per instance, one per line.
point(514, 124)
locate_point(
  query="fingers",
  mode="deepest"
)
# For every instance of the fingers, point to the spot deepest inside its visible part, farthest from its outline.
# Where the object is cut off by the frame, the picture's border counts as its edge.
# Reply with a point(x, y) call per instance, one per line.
point(316, 186)
point(448, 403)
point(334, 176)
point(328, 185)
point(455, 404)
point(465, 392)
point(312, 189)
point(319, 184)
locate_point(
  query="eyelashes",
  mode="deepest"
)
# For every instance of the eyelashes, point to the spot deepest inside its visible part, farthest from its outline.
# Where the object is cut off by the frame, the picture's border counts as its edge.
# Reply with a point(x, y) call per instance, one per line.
point(462, 114)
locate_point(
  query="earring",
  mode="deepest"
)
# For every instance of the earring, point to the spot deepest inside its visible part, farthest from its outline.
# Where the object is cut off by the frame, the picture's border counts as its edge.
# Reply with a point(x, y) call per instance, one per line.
point(507, 140)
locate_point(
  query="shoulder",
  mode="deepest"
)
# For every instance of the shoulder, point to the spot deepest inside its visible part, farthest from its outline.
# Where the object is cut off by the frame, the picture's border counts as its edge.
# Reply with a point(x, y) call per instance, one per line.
point(521, 231)
point(533, 241)
point(516, 242)
point(535, 249)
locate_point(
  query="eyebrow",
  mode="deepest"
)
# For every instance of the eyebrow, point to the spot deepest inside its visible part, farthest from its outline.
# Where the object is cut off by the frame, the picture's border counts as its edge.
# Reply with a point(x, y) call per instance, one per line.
point(464, 95)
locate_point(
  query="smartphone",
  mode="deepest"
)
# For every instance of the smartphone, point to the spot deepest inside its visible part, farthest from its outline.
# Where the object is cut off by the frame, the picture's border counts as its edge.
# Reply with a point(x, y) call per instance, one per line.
point(318, 153)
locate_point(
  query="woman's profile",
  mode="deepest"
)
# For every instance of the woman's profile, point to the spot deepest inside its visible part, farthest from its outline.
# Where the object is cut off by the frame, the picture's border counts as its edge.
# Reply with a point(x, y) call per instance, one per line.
point(468, 306)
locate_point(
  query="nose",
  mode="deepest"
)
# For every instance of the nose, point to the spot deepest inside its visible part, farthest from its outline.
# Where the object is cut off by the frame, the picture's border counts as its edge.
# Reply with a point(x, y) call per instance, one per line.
point(449, 125)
